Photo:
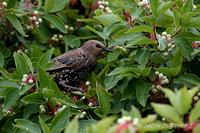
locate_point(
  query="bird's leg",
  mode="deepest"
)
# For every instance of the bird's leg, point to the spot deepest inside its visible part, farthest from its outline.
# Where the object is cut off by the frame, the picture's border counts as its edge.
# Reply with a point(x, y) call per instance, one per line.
point(68, 86)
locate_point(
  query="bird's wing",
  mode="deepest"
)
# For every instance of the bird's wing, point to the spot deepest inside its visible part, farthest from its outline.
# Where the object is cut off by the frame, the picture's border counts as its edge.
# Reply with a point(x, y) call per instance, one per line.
point(71, 60)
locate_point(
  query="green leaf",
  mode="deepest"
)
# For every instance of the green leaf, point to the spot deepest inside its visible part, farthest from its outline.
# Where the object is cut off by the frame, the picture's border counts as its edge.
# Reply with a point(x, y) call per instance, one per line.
point(12, 95)
point(150, 19)
point(24, 88)
point(60, 4)
point(163, 7)
point(187, 7)
point(104, 99)
point(45, 58)
point(120, 36)
point(4, 73)
point(43, 78)
point(15, 22)
point(172, 97)
point(72, 41)
point(44, 126)
point(1, 59)
point(20, 63)
point(56, 21)
point(168, 112)
point(142, 90)
point(183, 100)
point(8, 84)
point(196, 129)
point(177, 17)
point(135, 113)
point(107, 19)
point(27, 125)
point(72, 127)
point(113, 56)
point(193, 91)
point(103, 124)
point(36, 98)
point(158, 58)
point(60, 121)
point(142, 57)
point(49, 4)
point(138, 40)
point(186, 48)
point(187, 17)
point(190, 78)
point(141, 28)
point(177, 59)
point(195, 113)
point(28, 61)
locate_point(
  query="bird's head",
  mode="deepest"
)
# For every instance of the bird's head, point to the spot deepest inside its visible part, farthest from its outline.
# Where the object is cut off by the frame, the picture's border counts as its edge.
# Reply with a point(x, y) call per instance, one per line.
point(94, 47)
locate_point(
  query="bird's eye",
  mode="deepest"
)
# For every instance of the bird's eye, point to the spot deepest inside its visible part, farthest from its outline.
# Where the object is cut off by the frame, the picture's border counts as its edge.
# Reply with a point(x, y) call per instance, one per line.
point(98, 46)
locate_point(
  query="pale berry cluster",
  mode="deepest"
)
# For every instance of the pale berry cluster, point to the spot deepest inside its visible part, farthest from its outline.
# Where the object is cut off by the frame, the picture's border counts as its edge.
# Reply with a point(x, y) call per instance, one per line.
point(27, 79)
point(8, 112)
point(143, 3)
point(127, 123)
point(34, 21)
point(42, 109)
point(56, 38)
point(82, 115)
point(196, 98)
point(60, 109)
point(159, 80)
point(170, 46)
point(103, 6)
point(3, 4)
point(69, 28)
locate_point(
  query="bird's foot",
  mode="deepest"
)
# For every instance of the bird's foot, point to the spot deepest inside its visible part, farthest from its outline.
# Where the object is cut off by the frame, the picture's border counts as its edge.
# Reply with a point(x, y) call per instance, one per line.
point(68, 86)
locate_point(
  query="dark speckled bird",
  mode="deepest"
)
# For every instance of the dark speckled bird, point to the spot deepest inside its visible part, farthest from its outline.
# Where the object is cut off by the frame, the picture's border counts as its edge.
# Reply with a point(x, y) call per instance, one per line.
point(75, 65)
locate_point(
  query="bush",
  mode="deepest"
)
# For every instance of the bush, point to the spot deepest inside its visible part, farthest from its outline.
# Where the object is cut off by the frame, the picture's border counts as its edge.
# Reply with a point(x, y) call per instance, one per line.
point(149, 83)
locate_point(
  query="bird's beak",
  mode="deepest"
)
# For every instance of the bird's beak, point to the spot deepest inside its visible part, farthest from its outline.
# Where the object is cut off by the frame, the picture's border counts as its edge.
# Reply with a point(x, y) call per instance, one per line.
point(107, 49)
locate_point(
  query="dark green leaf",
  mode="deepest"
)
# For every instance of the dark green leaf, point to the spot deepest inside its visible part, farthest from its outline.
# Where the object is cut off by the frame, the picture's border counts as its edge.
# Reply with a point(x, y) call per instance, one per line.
point(107, 19)
point(177, 59)
point(60, 4)
point(49, 4)
point(45, 58)
point(24, 88)
point(43, 78)
point(20, 63)
point(44, 126)
point(36, 98)
point(27, 125)
point(104, 99)
point(60, 121)
point(190, 78)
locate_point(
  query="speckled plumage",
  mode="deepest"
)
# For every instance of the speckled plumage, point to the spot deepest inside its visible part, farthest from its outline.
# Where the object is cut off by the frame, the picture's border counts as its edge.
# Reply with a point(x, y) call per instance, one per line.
point(75, 65)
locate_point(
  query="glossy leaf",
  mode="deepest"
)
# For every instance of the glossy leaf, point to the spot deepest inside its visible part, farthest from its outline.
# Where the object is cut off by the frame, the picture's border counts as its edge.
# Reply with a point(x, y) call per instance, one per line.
point(60, 121)
point(45, 58)
point(49, 4)
point(36, 98)
point(107, 19)
point(20, 63)
point(43, 78)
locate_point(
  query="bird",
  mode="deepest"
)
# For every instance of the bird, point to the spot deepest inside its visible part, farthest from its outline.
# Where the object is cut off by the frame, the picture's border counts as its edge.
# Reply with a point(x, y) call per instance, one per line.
point(75, 65)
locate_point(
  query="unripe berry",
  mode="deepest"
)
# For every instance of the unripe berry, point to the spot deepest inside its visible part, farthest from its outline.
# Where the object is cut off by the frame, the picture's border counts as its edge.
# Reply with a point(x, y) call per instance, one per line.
point(81, 116)
point(109, 12)
point(41, 106)
point(140, 3)
point(30, 81)
point(66, 26)
point(26, 50)
point(154, 90)
point(196, 98)
point(169, 45)
point(34, 18)
point(40, 20)
point(194, 7)
point(99, 2)
point(173, 46)
point(158, 86)
point(162, 82)
point(25, 76)
point(160, 75)
point(145, 2)
point(166, 81)
point(165, 54)
point(87, 83)
point(55, 36)
point(24, 80)
point(43, 110)
point(5, 4)
point(37, 23)
point(163, 37)
point(107, 8)
point(90, 104)
point(84, 113)
point(71, 28)
point(101, 7)
point(106, 3)
point(30, 18)
point(170, 49)
point(60, 36)
point(164, 34)
point(157, 72)
point(36, 12)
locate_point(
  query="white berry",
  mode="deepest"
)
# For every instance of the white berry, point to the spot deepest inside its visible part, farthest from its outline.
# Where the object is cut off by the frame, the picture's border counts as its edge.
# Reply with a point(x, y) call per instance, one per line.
point(160, 75)
point(157, 72)
point(169, 45)
point(60, 36)
point(170, 49)
point(140, 3)
point(173, 46)
point(165, 54)
point(37, 23)
point(106, 3)
point(145, 2)
point(109, 12)
point(158, 86)
point(24, 80)
point(163, 37)
point(40, 20)
point(71, 28)
point(66, 26)
point(101, 7)
point(35, 12)
point(4, 4)
point(87, 83)
point(164, 34)
point(90, 104)
point(99, 2)
point(30, 81)
point(25, 76)
point(34, 18)
point(30, 18)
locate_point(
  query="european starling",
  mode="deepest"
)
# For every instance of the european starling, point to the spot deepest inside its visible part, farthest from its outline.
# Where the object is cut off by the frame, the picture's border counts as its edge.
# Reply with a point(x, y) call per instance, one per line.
point(75, 65)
